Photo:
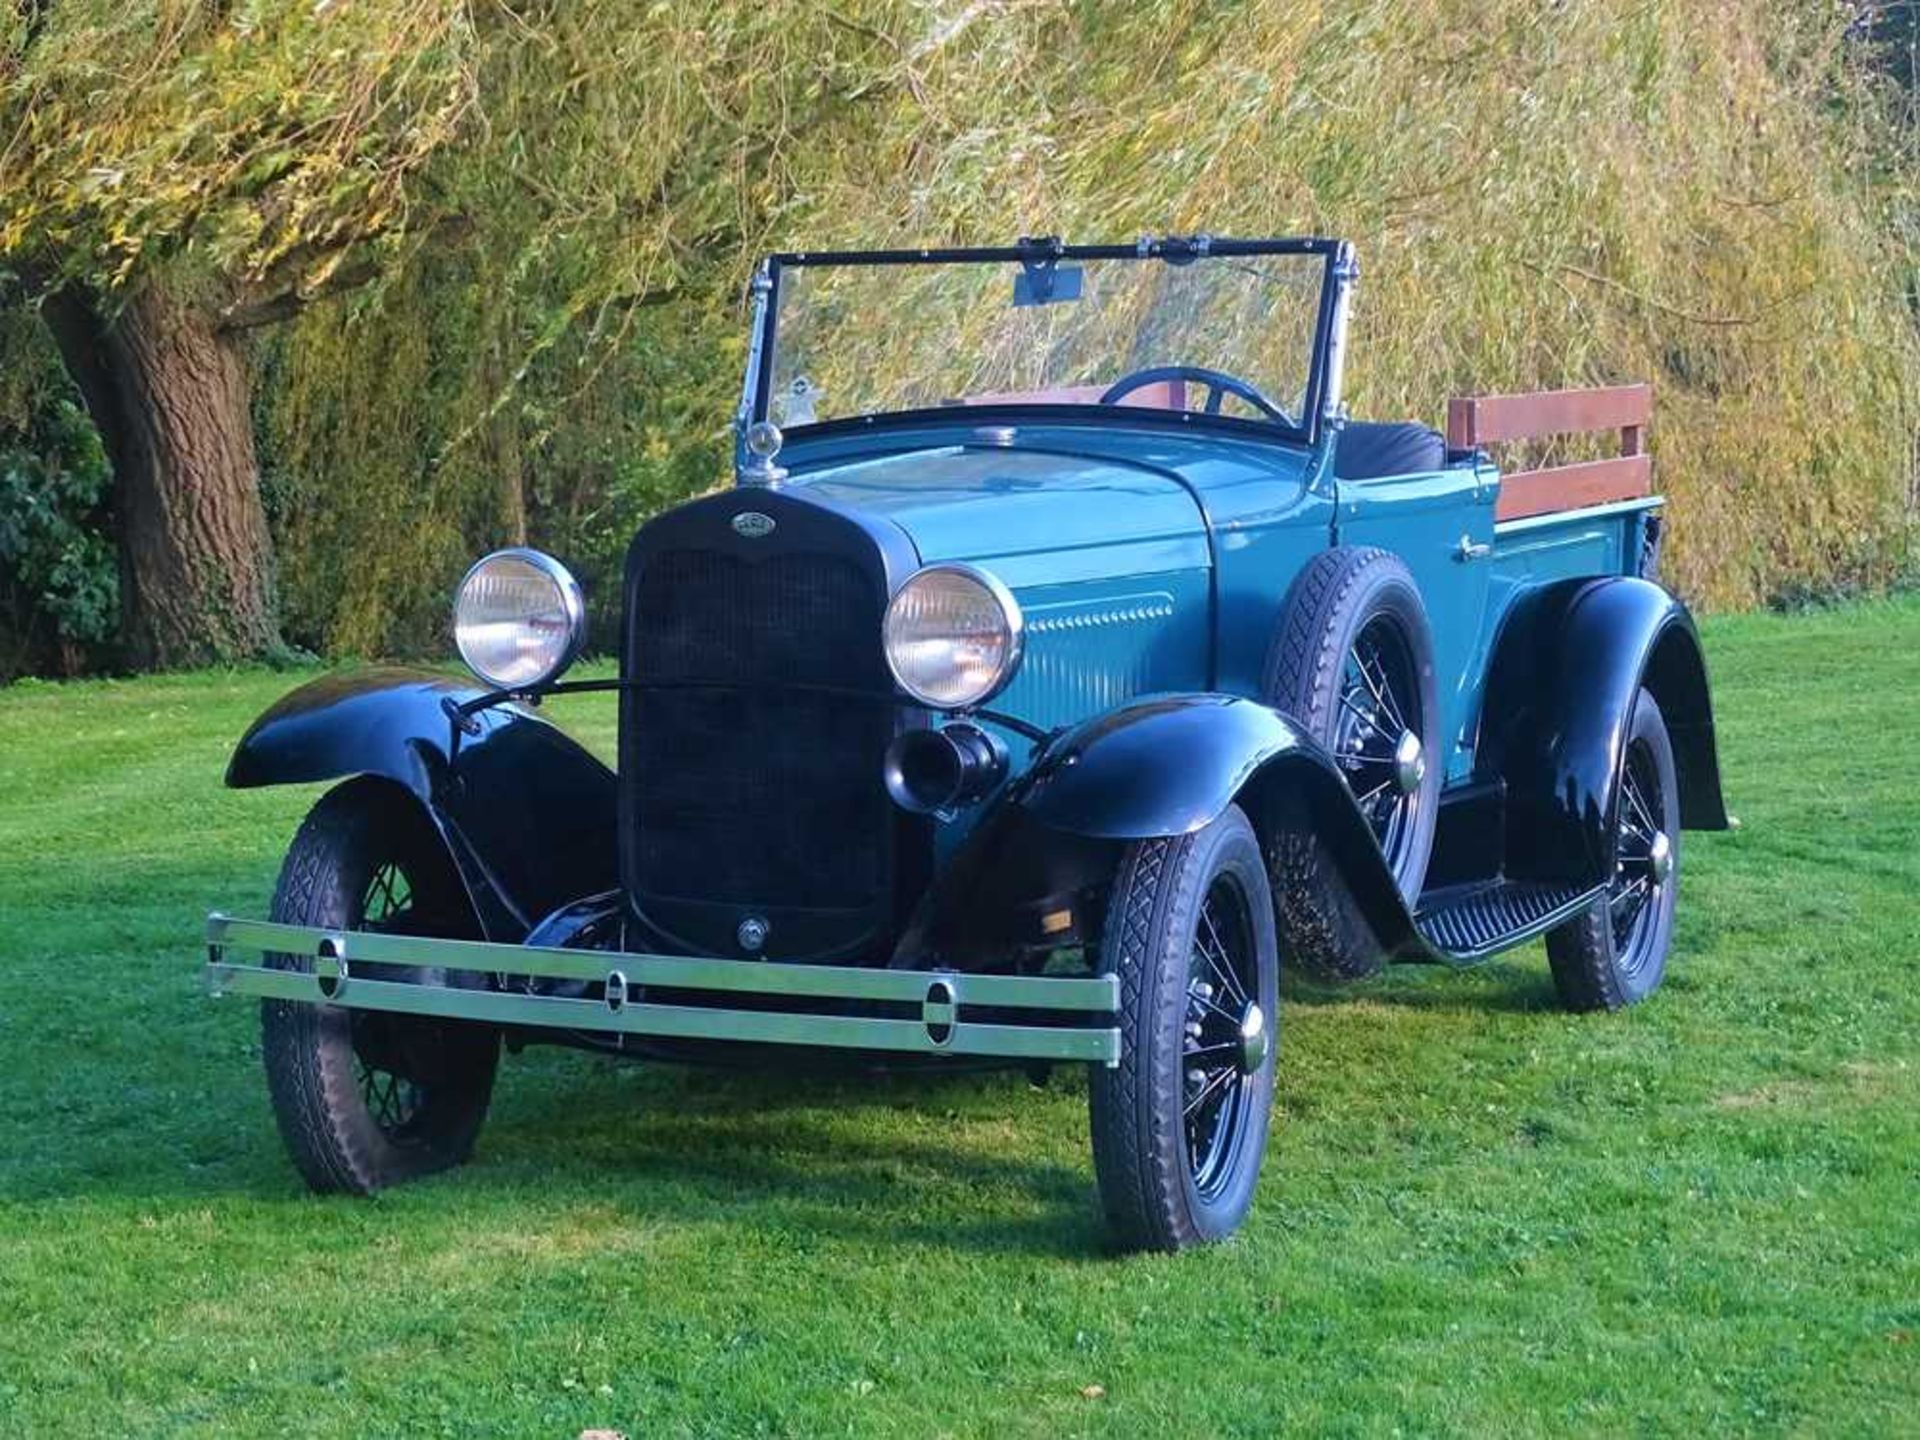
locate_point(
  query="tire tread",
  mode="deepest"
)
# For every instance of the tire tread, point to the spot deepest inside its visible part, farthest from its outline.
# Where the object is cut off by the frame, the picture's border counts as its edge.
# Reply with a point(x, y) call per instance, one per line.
point(306, 1048)
point(1137, 1158)
point(1581, 953)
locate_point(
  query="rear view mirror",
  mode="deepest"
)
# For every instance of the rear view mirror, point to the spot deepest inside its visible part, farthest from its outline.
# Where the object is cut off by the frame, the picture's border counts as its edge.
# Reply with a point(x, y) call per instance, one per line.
point(1046, 284)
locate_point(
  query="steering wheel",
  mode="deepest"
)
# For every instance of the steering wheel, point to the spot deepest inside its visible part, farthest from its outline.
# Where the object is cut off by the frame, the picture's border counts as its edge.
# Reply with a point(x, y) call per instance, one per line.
point(1219, 385)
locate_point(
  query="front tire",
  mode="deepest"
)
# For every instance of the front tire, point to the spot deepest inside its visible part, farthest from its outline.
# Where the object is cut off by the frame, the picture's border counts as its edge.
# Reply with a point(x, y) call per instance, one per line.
point(1180, 1125)
point(366, 1099)
point(1615, 953)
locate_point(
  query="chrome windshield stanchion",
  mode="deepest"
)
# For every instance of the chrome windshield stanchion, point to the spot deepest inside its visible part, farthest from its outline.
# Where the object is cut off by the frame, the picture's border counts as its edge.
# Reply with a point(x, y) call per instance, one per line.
point(761, 290)
point(1346, 279)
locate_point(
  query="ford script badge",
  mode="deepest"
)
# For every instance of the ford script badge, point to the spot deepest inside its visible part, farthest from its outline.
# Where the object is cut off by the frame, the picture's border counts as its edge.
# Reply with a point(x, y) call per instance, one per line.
point(753, 525)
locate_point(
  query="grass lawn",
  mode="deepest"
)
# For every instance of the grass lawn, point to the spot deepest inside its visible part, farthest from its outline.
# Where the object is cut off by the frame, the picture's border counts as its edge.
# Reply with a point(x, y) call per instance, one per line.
point(1479, 1215)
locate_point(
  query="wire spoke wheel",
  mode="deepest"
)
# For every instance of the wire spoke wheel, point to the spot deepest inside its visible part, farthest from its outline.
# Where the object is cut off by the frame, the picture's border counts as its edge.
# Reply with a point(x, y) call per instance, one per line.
point(1180, 1122)
point(1614, 952)
point(1641, 860)
point(393, 1095)
point(393, 1100)
point(1377, 735)
point(1221, 988)
point(1351, 661)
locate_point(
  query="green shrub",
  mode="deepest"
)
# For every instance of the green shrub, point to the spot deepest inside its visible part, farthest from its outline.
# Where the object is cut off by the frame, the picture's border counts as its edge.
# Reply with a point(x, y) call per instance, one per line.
point(59, 585)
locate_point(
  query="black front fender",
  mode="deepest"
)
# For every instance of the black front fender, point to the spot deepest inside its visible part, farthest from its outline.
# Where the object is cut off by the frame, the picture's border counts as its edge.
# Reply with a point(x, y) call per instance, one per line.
point(1569, 662)
point(1169, 765)
point(527, 814)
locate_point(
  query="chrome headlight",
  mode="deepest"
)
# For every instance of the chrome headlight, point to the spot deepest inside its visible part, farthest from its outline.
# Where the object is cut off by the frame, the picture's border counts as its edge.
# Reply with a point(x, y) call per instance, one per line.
point(519, 619)
point(953, 636)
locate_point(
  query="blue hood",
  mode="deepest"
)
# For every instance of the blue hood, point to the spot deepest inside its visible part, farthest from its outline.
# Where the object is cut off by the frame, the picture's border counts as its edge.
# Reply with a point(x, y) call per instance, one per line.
point(991, 504)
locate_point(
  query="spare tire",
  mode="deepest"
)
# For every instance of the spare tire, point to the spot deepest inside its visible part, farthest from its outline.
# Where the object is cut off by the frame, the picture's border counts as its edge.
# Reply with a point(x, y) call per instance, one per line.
point(1352, 662)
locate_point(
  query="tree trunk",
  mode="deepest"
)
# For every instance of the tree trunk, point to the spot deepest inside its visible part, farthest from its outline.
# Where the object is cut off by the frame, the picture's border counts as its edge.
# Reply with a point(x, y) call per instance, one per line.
point(169, 394)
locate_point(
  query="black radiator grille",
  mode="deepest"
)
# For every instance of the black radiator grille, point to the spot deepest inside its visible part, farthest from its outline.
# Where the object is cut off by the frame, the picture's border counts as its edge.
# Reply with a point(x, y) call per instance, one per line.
point(745, 791)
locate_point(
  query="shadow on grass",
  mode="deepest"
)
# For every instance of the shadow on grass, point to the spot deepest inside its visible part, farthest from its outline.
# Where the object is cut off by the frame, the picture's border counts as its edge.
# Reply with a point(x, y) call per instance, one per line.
point(822, 1152)
point(756, 1148)
point(959, 1162)
point(1508, 987)
point(823, 1146)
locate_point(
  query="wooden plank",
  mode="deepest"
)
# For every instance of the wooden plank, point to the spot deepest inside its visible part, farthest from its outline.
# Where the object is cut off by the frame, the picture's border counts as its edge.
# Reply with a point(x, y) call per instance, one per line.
point(1474, 420)
point(1569, 487)
point(1461, 426)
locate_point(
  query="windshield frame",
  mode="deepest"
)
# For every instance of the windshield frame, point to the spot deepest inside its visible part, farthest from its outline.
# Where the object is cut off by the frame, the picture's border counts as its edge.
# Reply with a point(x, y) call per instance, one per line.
point(1324, 362)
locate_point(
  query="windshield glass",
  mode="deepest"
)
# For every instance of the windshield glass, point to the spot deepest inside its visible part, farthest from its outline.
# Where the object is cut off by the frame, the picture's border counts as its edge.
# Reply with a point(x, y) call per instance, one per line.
point(1235, 331)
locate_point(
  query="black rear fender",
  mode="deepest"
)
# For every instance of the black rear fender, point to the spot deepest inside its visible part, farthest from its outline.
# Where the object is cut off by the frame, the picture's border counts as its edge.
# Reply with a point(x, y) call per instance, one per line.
point(526, 814)
point(1570, 660)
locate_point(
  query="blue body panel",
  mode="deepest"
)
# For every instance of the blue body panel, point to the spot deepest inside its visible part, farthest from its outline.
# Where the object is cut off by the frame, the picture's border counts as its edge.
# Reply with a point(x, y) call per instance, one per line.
point(1424, 519)
point(1152, 566)
point(1052, 503)
point(1109, 560)
point(1146, 560)
point(1151, 560)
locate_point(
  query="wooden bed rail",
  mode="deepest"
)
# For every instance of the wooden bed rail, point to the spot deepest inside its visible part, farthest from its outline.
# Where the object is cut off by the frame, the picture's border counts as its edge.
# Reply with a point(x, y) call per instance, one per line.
point(1477, 420)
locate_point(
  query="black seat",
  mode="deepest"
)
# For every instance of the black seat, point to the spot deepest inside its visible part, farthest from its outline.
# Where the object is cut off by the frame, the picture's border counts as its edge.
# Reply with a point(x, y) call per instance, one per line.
point(1369, 450)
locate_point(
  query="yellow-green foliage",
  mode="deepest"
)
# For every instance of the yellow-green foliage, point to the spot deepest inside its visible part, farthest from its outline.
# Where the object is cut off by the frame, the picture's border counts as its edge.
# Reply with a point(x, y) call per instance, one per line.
point(257, 136)
point(564, 199)
point(1541, 196)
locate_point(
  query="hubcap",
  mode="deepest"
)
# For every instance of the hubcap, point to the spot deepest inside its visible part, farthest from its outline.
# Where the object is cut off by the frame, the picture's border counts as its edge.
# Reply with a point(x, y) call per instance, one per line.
point(1409, 763)
point(1660, 857)
point(1255, 1041)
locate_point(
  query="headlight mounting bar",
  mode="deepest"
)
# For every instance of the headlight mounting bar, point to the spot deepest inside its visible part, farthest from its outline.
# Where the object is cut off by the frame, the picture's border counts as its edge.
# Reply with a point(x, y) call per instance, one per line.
point(461, 712)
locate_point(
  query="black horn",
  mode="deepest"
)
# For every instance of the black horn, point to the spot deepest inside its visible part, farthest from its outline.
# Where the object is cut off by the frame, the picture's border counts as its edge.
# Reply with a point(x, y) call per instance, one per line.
point(929, 770)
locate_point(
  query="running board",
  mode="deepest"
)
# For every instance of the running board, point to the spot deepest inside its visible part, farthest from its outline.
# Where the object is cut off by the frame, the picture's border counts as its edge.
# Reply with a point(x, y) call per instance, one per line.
point(1464, 924)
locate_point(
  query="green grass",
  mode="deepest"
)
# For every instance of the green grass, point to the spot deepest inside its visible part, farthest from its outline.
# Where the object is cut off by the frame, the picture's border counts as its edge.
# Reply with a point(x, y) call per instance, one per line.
point(1479, 1215)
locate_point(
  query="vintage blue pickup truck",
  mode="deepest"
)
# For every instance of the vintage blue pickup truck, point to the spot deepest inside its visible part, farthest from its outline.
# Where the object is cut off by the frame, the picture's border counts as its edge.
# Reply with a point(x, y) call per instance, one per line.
point(1064, 663)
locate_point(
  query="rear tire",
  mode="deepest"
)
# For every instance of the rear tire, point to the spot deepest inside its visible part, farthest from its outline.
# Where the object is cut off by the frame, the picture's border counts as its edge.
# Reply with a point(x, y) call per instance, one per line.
point(366, 1099)
point(1352, 662)
point(1180, 1125)
point(1615, 953)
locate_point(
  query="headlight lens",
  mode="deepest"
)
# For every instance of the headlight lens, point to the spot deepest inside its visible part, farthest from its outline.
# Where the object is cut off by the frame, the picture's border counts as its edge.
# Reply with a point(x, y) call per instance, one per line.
point(953, 636)
point(519, 619)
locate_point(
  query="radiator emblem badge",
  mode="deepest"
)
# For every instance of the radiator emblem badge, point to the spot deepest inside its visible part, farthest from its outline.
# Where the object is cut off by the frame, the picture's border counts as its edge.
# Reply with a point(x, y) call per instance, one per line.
point(753, 934)
point(752, 525)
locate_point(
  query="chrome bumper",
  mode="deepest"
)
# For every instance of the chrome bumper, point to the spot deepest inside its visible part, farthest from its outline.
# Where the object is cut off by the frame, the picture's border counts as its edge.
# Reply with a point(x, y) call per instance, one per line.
point(1059, 1018)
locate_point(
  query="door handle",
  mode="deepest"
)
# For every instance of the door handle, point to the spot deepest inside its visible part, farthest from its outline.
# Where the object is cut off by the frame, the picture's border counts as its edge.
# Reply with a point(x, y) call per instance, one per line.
point(1471, 549)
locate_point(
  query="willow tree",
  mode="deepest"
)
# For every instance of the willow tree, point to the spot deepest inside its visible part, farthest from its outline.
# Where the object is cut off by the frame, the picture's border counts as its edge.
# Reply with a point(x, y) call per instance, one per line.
point(172, 174)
